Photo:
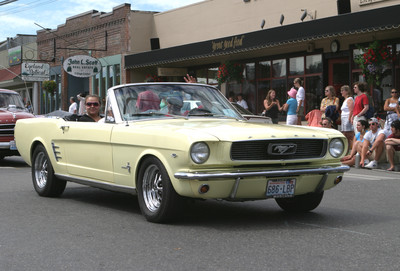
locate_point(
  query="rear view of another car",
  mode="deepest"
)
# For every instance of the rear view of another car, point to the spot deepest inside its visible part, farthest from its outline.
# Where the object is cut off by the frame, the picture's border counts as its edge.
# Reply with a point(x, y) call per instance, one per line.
point(11, 109)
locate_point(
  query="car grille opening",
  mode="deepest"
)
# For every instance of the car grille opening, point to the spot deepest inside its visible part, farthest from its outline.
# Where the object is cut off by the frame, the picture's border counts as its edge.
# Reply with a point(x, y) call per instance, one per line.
point(280, 149)
point(7, 130)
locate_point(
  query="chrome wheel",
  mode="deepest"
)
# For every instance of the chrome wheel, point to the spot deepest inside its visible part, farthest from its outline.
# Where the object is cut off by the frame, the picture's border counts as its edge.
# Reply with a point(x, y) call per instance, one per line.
point(152, 188)
point(40, 169)
point(157, 198)
point(44, 180)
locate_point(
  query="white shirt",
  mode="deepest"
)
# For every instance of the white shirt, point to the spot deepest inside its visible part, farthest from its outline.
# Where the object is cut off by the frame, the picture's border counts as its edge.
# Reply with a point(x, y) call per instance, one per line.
point(370, 136)
point(300, 96)
point(81, 104)
point(243, 104)
point(72, 108)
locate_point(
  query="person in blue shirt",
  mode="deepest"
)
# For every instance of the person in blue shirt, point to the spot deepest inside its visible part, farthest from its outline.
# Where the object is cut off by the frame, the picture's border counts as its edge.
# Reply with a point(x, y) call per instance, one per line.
point(291, 107)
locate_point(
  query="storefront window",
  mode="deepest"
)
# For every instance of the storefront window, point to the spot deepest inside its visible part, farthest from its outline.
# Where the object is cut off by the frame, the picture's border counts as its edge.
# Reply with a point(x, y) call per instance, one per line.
point(356, 53)
point(296, 65)
point(96, 84)
point(279, 85)
point(250, 71)
point(314, 64)
point(265, 69)
point(263, 88)
point(117, 74)
point(111, 76)
point(279, 68)
point(212, 76)
point(314, 92)
point(103, 86)
point(201, 76)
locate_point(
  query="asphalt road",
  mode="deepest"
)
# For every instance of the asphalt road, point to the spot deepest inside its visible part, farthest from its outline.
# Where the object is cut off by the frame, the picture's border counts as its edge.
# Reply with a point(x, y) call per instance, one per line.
point(356, 227)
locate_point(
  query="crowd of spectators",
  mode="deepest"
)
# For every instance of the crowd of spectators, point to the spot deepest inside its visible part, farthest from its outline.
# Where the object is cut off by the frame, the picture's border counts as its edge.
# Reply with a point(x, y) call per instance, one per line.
point(374, 140)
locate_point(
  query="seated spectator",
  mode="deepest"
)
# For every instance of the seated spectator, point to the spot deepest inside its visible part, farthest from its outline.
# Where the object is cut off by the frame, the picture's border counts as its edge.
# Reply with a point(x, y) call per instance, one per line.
point(362, 128)
point(326, 122)
point(373, 145)
point(393, 143)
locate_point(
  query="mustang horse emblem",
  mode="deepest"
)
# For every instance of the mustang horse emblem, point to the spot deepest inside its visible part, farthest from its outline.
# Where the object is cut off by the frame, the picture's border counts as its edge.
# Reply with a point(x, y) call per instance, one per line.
point(283, 149)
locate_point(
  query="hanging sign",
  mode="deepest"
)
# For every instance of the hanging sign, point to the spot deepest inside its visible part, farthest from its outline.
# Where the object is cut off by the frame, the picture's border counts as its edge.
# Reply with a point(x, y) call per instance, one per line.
point(35, 71)
point(82, 66)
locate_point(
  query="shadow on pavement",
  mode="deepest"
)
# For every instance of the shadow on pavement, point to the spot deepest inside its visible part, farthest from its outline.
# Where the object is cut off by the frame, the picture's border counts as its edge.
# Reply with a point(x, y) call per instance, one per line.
point(13, 161)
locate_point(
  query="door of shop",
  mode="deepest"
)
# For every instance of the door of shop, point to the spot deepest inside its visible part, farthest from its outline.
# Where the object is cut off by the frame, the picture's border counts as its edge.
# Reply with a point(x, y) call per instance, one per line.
point(339, 73)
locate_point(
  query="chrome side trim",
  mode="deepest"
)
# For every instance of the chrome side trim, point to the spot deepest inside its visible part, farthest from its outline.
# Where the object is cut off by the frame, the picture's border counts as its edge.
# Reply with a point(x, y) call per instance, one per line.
point(98, 184)
point(263, 173)
point(55, 151)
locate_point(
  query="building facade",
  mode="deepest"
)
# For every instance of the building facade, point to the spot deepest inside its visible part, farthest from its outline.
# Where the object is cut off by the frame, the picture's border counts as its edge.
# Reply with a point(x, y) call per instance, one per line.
point(13, 53)
point(104, 36)
point(275, 41)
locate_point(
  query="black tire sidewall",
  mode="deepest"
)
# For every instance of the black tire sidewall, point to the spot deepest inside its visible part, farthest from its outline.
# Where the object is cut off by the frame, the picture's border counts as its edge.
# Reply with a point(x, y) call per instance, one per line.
point(54, 186)
point(301, 203)
point(170, 199)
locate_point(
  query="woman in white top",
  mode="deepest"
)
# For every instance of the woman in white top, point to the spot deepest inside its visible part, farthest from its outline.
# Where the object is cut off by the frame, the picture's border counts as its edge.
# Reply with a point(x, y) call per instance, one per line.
point(393, 110)
point(347, 111)
point(300, 97)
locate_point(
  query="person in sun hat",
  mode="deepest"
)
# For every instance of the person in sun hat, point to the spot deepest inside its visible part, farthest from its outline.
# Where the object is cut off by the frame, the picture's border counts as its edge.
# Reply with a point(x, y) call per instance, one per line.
point(373, 146)
point(291, 107)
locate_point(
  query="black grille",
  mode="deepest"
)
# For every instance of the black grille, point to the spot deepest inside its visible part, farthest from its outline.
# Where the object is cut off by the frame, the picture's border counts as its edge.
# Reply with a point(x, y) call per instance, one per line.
point(258, 150)
point(7, 129)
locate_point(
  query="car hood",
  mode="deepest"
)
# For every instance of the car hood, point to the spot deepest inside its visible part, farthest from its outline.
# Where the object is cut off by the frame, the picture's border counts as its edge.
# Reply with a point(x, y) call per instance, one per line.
point(11, 116)
point(233, 130)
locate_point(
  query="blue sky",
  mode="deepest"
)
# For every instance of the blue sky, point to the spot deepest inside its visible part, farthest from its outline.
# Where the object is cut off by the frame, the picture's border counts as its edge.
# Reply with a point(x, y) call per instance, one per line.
point(20, 16)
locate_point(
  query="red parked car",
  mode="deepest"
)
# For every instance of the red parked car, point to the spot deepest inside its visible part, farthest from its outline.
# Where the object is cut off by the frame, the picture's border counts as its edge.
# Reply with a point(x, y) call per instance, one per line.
point(11, 109)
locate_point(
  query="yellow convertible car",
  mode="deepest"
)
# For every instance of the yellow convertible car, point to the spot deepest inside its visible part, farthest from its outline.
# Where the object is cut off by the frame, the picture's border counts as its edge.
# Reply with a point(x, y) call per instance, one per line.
point(149, 145)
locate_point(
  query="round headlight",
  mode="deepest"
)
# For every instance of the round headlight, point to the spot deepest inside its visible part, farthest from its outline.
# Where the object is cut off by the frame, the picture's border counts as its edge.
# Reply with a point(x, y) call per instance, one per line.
point(199, 152)
point(336, 147)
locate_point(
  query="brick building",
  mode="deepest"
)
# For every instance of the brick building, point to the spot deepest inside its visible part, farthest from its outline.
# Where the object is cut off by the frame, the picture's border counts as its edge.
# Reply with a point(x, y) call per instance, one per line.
point(104, 36)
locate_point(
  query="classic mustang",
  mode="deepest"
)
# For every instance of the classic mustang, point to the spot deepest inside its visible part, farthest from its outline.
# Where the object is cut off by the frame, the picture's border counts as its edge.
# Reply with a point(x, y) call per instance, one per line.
point(149, 146)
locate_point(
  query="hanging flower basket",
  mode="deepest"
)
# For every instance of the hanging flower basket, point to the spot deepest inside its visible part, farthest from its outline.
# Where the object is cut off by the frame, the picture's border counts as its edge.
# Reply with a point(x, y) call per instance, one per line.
point(229, 71)
point(153, 78)
point(49, 86)
point(374, 62)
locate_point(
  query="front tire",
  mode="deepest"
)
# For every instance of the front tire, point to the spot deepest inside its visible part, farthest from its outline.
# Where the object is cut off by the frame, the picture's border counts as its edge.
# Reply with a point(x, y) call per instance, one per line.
point(301, 203)
point(158, 200)
point(44, 181)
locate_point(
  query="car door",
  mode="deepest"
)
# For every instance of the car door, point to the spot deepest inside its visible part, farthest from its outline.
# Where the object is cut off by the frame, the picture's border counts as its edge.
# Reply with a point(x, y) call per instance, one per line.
point(88, 150)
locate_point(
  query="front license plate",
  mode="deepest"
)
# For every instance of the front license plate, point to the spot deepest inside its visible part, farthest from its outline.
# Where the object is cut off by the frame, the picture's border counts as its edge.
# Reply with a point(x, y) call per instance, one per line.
point(281, 188)
point(13, 146)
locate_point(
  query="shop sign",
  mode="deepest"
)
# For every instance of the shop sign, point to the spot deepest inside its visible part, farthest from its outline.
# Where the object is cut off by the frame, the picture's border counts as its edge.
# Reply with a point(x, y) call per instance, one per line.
point(82, 66)
point(34, 71)
point(367, 2)
point(14, 55)
point(171, 71)
point(226, 44)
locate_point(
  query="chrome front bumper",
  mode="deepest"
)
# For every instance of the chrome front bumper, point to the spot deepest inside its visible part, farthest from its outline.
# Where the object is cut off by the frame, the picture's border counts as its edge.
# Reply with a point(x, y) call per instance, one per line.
point(263, 173)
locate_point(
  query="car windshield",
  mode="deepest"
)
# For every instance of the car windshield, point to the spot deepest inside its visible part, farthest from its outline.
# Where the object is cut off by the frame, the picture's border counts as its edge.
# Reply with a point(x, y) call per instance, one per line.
point(11, 100)
point(242, 110)
point(172, 100)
